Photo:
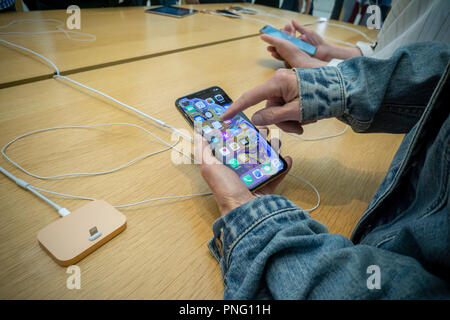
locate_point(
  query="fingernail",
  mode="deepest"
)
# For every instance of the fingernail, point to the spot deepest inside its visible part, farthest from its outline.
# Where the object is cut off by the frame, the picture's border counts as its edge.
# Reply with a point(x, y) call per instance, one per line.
point(257, 119)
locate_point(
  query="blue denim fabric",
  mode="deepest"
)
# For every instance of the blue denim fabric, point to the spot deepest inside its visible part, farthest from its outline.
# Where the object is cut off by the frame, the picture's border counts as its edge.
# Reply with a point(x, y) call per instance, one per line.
point(269, 248)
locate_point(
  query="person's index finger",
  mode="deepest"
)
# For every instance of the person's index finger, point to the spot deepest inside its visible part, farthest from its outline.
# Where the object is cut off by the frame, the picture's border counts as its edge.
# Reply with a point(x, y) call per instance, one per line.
point(300, 28)
point(250, 98)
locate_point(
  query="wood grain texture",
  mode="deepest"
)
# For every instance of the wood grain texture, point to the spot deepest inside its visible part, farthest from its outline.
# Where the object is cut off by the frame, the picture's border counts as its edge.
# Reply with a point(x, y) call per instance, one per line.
point(162, 254)
point(128, 34)
point(122, 34)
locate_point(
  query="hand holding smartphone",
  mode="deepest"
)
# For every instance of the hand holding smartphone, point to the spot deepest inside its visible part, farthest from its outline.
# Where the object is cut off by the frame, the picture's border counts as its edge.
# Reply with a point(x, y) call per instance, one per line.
point(236, 142)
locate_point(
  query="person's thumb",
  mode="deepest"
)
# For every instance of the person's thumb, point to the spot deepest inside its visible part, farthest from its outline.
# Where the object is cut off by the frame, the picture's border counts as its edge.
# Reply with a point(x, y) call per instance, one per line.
point(273, 41)
point(286, 49)
point(272, 115)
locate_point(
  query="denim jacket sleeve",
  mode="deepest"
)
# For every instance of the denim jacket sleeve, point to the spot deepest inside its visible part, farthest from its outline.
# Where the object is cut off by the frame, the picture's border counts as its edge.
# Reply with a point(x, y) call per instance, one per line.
point(269, 248)
point(374, 95)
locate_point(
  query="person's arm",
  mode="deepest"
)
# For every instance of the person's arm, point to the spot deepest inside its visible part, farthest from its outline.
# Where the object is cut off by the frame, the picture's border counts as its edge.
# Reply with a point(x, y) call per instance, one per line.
point(375, 95)
point(268, 248)
point(371, 95)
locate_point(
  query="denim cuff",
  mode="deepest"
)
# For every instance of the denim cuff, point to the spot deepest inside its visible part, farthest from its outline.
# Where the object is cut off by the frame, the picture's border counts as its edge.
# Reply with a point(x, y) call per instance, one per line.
point(322, 93)
point(232, 227)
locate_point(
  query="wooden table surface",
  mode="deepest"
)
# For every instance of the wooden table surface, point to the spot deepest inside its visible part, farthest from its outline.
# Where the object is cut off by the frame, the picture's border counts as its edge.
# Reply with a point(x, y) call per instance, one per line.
point(121, 35)
point(162, 254)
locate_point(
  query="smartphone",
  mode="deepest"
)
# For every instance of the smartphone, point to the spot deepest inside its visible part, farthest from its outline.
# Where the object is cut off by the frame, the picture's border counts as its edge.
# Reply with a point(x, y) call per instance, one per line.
point(172, 11)
point(228, 13)
point(237, 142)
point(244, 10)
point(308, 48)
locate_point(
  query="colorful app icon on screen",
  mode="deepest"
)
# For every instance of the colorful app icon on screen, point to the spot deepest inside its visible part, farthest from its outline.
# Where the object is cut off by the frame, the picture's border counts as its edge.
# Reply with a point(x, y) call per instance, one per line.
point(190, 108)
point(226, 135)
point(200, 105)
point(267, 168)
point(219, 98)
point(199, 119)
point(243, 157)
point(224, 151)
point(208, 114)
point(235, 131)
point(257, 174)
point(217, 125)
point(233, 163)
point(234, 146)
point(247, 179)
point(244, 126)
point(210, 100)
point(253, 137)
point(227, 122)
point(276, 163)
point(244, 141)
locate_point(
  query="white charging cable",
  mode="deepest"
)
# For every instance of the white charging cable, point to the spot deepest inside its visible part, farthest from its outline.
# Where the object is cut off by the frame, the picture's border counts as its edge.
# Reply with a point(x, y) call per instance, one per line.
point(25, 185)
point(59, 29)
point(320, 138)
point(169, 146)
point(63, 211)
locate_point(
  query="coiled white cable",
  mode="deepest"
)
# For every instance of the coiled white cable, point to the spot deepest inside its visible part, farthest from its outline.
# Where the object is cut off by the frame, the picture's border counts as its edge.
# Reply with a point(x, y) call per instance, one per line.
point(63, 211)
point(312, 187)
point(169, 146)
point(59, 28)
point(34, 189)
point(178, 132)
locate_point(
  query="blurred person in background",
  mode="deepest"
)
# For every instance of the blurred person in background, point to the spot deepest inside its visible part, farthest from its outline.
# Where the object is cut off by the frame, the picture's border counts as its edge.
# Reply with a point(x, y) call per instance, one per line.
point(63, 4)
point(297, 6)
point(7, 5)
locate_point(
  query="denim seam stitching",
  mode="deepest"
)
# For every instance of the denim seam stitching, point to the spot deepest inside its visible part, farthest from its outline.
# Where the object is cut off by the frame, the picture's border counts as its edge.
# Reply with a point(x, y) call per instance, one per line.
point(408, 151)
point(341, 89)
point(385, 240)
point(442, 198)
point(403, 109)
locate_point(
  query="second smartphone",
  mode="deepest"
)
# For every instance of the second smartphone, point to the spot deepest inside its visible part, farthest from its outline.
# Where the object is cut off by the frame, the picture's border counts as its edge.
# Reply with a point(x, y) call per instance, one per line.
point(308, 48)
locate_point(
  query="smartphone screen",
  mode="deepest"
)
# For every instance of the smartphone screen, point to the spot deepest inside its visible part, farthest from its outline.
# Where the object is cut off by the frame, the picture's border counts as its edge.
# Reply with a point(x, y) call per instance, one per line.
point(244, 10)
point(172, 11)
point(228, 13)
point(236, 142)
point(308, 48)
